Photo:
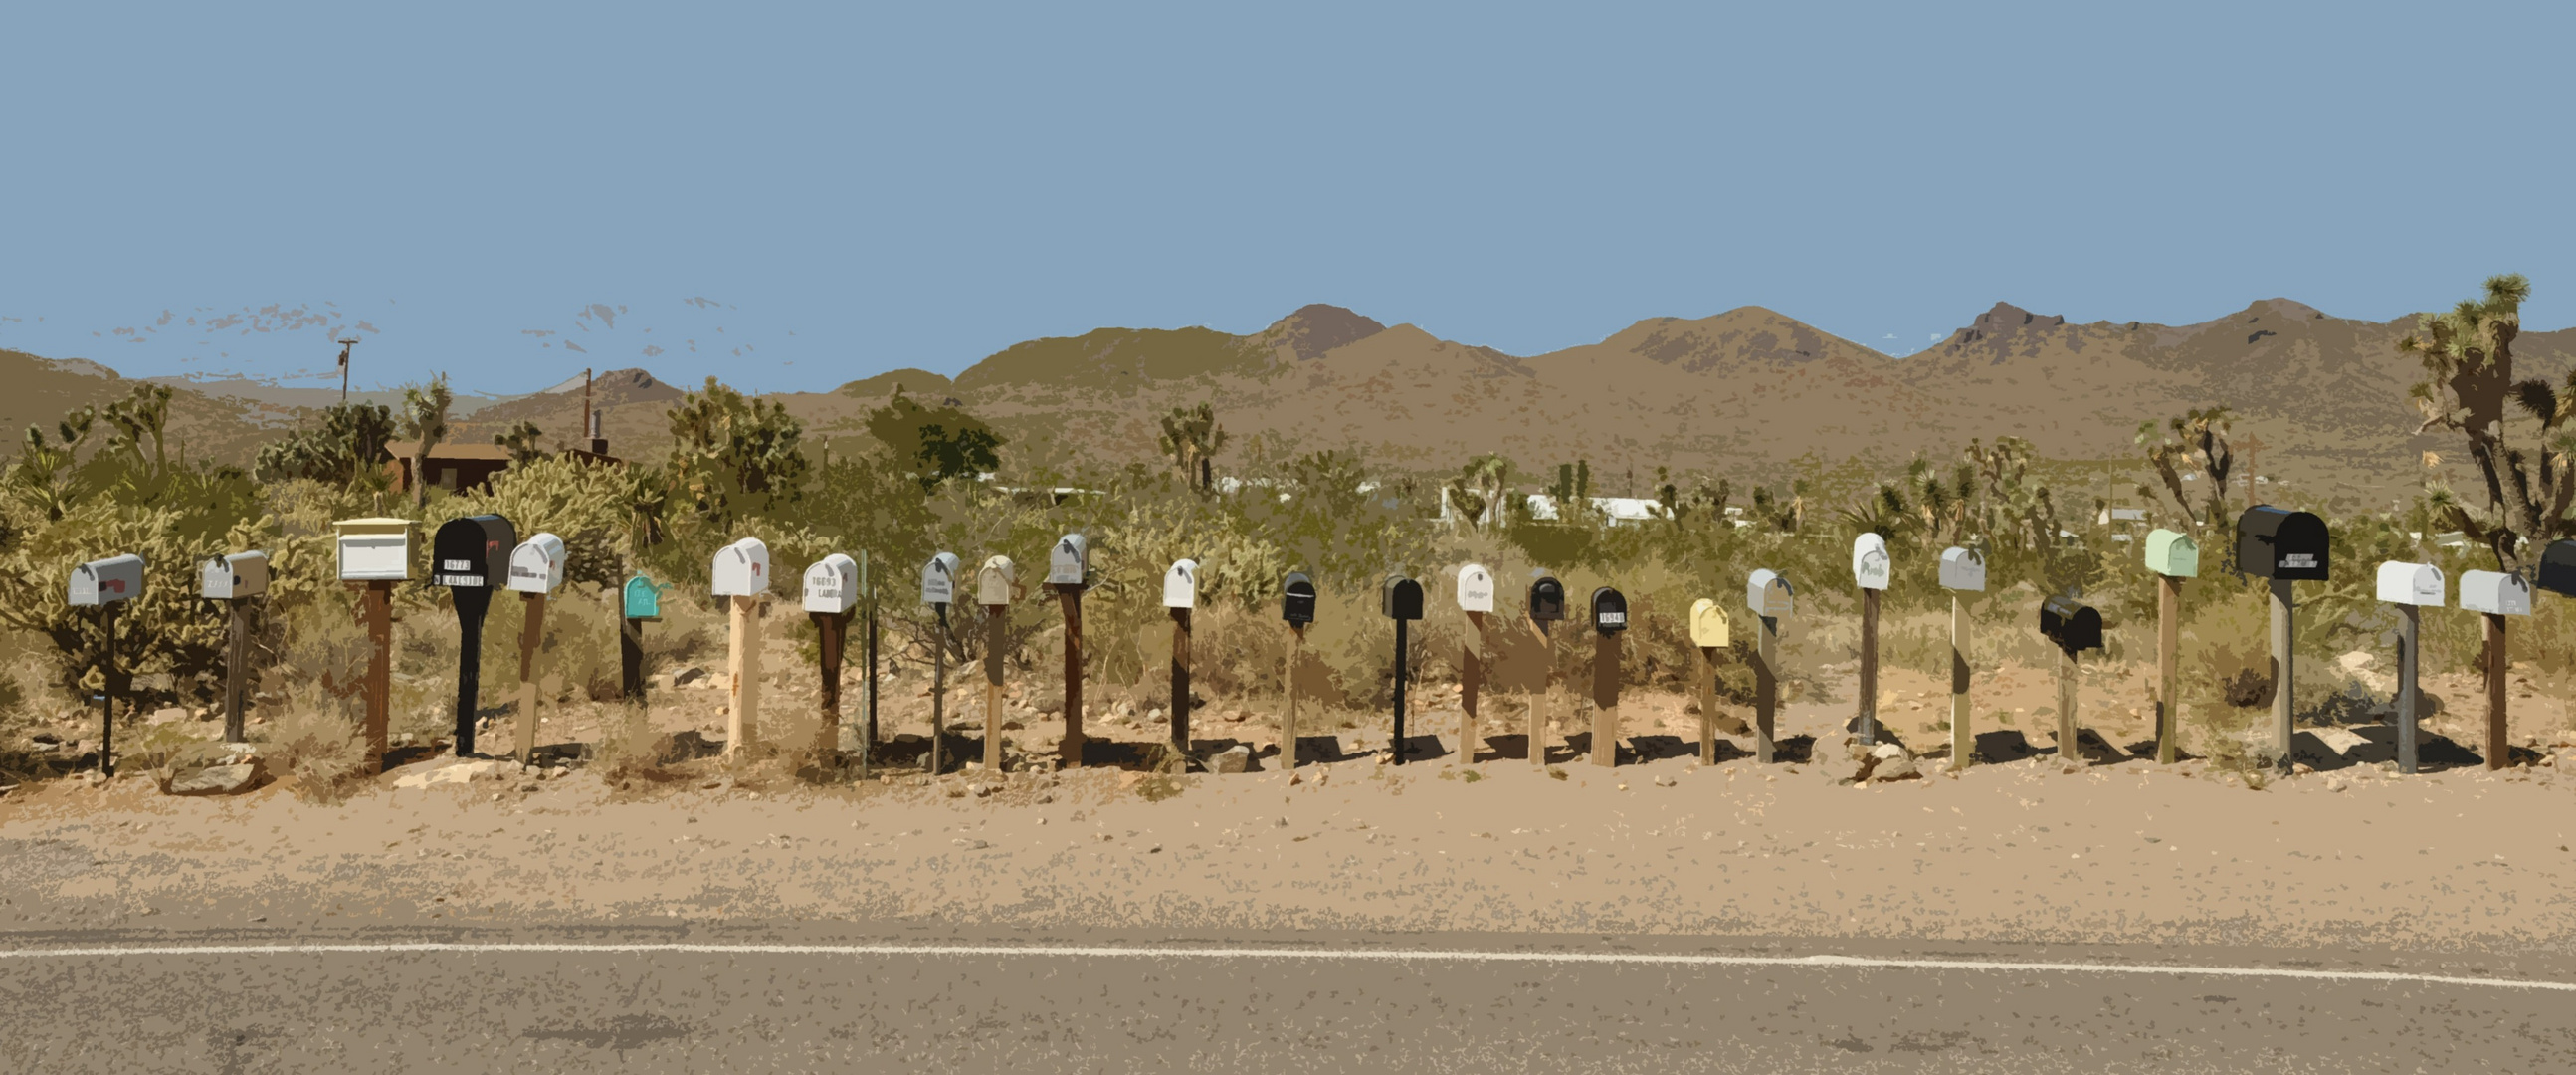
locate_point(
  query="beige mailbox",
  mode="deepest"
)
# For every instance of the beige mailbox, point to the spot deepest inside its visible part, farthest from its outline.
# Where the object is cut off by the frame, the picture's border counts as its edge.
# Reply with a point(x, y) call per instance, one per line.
point(224, 578)
point(1181, 585)
point(1768, 595)
point(537, 565)
point(997, 582)
point(2173, 554)
point(2495, 592)
point(1475, 589)
point(108, 581)
point(2411, 584)
point(742, 569)
point(1869, 562)
point(832, 585)
point(375, 550)
point(1708, 624)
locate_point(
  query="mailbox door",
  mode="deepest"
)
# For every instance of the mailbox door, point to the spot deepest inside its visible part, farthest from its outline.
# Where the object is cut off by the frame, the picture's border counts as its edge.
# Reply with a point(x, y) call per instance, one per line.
point(939, 579)
point(1547, 599)
point(215, 579)
point(1181, 585)
point(2173, 553)
point(2558, 567)
point(993, 584)
point(1708, 624)
point(1475, 589)
point(375, 557)
point(472, 551)
point(643, 599)
point(1869, 562)
point(742, 569)
point(1963, 569)
point(1609, 611)
point(536, 566)
point(1069, 564)
point(1400, 598)
point(1297, 599)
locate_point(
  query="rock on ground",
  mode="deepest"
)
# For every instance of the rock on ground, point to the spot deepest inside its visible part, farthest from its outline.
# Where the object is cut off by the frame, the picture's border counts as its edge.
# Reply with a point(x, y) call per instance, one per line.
point(1233, 759)
point(221, 779)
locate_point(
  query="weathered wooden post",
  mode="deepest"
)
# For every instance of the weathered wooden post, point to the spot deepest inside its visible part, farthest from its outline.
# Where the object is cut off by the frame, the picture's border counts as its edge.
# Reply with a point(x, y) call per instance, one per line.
point(471, 557)
point(1870, 569)
point(995, 584)
point(741, 578)
point(1297, 607)
point(1772, 600)
point(2283, 546)
point(1546, 606)
point(1400, 599)
point(2497, 596)
point(2409, 587)
point(2074, 627)
point(1609, 622)
point(2173, 556)
point(107, 585)
point(376, 553)
point(868, 736)
point(234, 580)
point(536, 570)
point(640, 602)
point(939, 590)
point(1476, 599)
point(1709, 635)
point(1963, 570)
point(1069, 574)
point(831, 594)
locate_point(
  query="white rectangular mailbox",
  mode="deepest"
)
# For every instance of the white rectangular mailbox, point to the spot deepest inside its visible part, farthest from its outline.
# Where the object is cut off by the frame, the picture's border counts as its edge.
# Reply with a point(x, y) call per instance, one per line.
point(537, 565)
point(1767, 594)
point(1070, 563)
point(2410, 584)
point(375, 550)
point(108, 581)
point(1869, 562)
point(996, 580)
point(832, 585)
point(1475, 589)
point(1181, 585)
point(742, 569)
point(939, 579)
point(1963, 569)
point(242, 574)
point(2495, 592)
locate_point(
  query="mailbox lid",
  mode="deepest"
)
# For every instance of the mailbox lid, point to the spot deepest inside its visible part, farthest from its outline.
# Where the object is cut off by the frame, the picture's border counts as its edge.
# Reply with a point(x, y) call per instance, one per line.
point(1609, 610)
point(2495, 592)
point(832, 584)
point(375, 549)
point(1475, 589)
point(1768, 594)
point(537, 565)
point(742, 569)
point(2072, 624)
point(1963, 569)
point(2402, 583)
point(1869, 562)
point(2558, 567)
point(1546, 599)
point(1069, 563)
point(472, 551)
point(643, 598)
point(939, 579)
point(2173, 553)
point(108, 581)
point(1181, 584)
point(1400, 598)
point(1297, 599)
point(2277, 543)
point(996, 580)
point(1708, 626)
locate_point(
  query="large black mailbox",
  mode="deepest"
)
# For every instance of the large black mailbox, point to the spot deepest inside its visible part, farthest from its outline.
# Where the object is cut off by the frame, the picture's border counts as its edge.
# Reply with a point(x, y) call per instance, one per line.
point(1297, 602)
point(1547, 599)
point(1609, 611)
point(1400, 598)
point(472, 551)
point(2277, 543)
point(2558, 568)
point(2073, 625)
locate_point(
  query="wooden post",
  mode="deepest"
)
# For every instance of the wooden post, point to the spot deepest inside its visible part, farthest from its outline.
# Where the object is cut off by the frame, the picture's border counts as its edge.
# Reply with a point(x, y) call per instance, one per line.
point(473, 603)
point(1180, 718)
point(1395, 742)
point(1707, 705)
point(2285, 665)
point(2497, 668)
point(2168, 669)
point(2409, 622)
point(235, 658)
point(1537, 708)
point(2068, 749)
point(108, 691)
point(1963, 742)
point(630, 652)
point(1868, 666)
point(1605, 699)
point(532, 634)
point(1766, 688)
point(378, 607)
point(1288, 723)
point(830, 630)
point(1070, 749)
point(997, 625)
point(742, 666)
point(868, 736)
point(938, 690)
point(1471, 682)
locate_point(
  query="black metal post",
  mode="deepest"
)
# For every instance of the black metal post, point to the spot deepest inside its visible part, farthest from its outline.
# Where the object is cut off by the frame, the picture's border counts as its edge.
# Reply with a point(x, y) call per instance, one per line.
point(2407, 622)
point(107, 713)
point(472, 602)
point(939, 689)
point(1397, 744)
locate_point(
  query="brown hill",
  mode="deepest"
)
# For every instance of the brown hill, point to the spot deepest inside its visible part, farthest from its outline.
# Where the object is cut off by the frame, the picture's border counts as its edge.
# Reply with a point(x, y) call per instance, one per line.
point(632, 399)
point(38, 391)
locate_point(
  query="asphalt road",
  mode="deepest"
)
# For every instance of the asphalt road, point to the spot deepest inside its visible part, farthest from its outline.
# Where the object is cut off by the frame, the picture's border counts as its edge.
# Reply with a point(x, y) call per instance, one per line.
point(793, 998)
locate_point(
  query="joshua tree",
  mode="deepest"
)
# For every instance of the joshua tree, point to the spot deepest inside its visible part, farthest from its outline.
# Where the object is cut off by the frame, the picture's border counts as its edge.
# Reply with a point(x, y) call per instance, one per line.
point(521, 441)
point(1191, 439)
point(2468, 366)
point(2197, 439)
point(424, 420)
point(1479, 487)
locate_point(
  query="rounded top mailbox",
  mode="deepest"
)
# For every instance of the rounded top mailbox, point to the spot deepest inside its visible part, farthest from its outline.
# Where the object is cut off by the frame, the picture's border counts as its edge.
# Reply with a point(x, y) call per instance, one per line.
point(2410, 584)
point(1963, 569)
point(2277, 543)
point(832, 585)
point(742, 569)
point(537, 565)
point(939, 579)
point(1769, 595)
point(1400, 598)
point(996, 581)
point(1869, 561)
point(375, 550)
point(472, 551)
point(1708, 624)
point(1475, 589)
point(1546, 599)
point(1297, 599)
point(1069, 563)
point(2558, 567)
point(2070, 623)
point(1181, 585)
point(2495, 592)
point(108, 581)
point(1609, 611)
point(643, 599)
point(225, 578)
point(2173, 554)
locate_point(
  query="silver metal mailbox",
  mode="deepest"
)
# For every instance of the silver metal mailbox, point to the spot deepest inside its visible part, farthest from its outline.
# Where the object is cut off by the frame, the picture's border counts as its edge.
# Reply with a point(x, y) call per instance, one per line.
point(2403, 583)
point(939, 579)
point(537, 565)
point(1181, 585)
point(1767, 594)
point(1963, 569)
point(1869, 562)
point(742, 569)
point(832, 585)
point(1070, 562)
point(225, 578)
point(2496, 592)
point(108, 581)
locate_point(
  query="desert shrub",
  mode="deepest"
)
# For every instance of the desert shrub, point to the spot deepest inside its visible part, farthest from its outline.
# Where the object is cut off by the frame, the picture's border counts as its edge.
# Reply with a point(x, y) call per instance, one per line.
point(321, 750)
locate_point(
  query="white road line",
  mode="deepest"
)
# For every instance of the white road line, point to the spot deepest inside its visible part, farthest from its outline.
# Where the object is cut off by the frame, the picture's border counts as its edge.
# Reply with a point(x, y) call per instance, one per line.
point(1325, 954)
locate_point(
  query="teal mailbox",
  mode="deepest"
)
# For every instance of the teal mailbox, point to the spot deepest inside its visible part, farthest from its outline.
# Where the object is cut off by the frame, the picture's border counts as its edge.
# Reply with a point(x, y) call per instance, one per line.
point(643, 599)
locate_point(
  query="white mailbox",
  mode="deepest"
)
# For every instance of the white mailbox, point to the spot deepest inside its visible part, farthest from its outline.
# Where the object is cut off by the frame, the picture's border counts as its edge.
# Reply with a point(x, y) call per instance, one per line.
point(1708, 624)
point(1070, 563)
point(1767, 594)
point(2412, 584)
point(242, 574)
point(1475, 589)
point(2496, 592)
point(939, 579)
point(832, 585)
point(1181, 585)
point(742, 569)
point(996, 581)
point(537, 565)
point(1963, 569)
point(1869, 561)
point(108, 581)
point(375, 550)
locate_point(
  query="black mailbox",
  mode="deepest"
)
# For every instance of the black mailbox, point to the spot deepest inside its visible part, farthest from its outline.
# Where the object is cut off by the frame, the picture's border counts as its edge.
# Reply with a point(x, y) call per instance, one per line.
point(2071, 624)
point(1400, 598)
point(1547, 599)
point(1297, 605)
point(2277, 543)
point(1609, 611)
point(472, 551)
point(2558, 568)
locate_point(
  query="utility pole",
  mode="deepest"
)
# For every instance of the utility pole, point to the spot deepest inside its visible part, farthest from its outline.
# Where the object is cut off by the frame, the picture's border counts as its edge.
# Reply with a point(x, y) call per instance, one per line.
point(2251, 444)
point(588, 432)
point(345, 345)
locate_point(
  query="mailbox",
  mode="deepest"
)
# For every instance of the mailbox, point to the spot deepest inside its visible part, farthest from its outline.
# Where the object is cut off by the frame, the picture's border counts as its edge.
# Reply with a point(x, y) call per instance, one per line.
point(2173, 554)
point(832, 585)
point(1963, 569)
point(108, 581)
point(1708, 624)
point(1181, 585)
point(1475, 589)
point(995, 581)
point(1070, 563)
point(1869, 561)
point(242, 574)
point(1769, 595)
point(1546, 599)
point(643, 599)
point(742, 569)
point(2495, 592)
point(939, 579)
point(375, 550)
point(2072, 624)
point(1400, 598)
point(2410, 584)
point(537, 565)
point(2277, 543)
point(2558, 568)
point(1297, 601)
point(472, 551)
point(1609, 611)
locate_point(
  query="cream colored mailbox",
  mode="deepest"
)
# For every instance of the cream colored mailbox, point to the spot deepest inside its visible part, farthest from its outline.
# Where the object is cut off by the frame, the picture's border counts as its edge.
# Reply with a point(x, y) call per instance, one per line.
point(2172, 553)
point(1069, 564)
point(939, 579)
point(1181, 585)
point(1869, 562)
point(1963, 569)
point(108, 581)
point(242, 574)
point(1475, 589)
point(997, 581)
point(375, 550)
point(1707, 624)
point(537, 565)
point(832, 585)
point(741, 569)
point(2412, 584)
point(1768, 595)
point(2495, 592)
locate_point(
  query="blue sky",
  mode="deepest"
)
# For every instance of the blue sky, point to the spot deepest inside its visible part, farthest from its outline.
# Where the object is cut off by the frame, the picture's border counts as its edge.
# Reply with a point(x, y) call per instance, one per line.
point(793, 197)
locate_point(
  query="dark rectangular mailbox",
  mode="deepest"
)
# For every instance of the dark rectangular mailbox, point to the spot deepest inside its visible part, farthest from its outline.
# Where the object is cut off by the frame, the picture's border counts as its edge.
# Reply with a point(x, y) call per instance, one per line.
point(472, 551)
point(1609, 611)
point(1547, 599)
point(2277, 543)
point(2071, 624)
point(2558, 567)
point(1400, 598)
point(1297, 603)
